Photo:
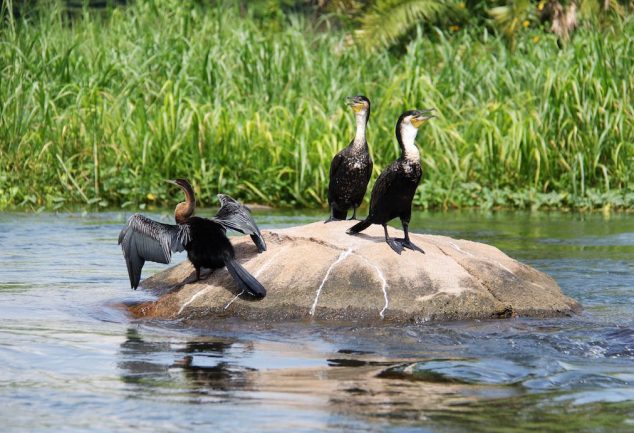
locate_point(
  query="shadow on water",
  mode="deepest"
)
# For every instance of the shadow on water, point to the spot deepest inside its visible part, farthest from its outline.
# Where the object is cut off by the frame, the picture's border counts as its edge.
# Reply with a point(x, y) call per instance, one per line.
point(73, 362)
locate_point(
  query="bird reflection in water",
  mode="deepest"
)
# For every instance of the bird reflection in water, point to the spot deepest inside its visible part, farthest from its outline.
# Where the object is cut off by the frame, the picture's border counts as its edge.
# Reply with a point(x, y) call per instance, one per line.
point(178, 367)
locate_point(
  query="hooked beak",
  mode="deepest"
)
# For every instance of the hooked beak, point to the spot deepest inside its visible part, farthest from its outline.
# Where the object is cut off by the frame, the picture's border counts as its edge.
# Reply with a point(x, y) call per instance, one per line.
point(423, 116)
point(178, 182)
point(355, 103)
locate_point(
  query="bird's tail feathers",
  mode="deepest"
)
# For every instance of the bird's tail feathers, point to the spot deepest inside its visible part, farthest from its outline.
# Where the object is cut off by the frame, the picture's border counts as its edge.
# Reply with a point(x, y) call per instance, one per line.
point(359, 227)
point(245, 280)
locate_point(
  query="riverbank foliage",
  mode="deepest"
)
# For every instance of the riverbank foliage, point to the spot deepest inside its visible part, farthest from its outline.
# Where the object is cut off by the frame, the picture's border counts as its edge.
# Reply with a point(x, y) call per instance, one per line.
point(99, 107)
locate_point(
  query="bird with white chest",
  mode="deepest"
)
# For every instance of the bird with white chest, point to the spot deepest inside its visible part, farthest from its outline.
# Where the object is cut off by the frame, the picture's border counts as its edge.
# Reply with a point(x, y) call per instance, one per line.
point(351, 168)
point(395, 187)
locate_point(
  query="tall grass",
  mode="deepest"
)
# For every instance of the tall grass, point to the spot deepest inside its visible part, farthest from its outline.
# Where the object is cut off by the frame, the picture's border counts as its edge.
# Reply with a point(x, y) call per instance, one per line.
point(99, 108)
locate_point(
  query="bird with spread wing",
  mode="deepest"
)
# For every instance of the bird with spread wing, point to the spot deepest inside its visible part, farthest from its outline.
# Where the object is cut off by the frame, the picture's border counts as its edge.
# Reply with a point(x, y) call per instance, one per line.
point(204, 239)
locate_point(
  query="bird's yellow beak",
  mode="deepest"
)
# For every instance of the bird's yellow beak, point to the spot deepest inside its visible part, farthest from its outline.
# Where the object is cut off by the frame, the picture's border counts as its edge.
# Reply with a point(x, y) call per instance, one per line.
point(354, 103)
point(422, 117)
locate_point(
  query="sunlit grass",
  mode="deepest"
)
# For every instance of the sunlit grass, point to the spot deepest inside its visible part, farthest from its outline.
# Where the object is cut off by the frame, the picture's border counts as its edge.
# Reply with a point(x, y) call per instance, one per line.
point(98, 109)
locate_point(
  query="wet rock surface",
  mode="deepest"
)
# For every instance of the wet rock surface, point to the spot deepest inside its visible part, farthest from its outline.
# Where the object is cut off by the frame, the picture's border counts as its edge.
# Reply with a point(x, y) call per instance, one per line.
point(318, 271)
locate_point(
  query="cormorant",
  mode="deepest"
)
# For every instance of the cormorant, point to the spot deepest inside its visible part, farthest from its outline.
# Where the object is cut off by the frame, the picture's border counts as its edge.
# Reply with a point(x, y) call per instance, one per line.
point(394, 190)
point(232, 215)
point(235, 216)
point(204, 240)
point(351, 168)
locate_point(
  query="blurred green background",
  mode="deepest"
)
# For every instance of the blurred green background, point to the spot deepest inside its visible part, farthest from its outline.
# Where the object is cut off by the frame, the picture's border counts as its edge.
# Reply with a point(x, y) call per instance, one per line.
point(101, 101)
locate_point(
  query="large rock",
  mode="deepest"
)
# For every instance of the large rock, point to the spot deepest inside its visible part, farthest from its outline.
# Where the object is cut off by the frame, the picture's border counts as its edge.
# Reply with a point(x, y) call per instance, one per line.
point(318, 271)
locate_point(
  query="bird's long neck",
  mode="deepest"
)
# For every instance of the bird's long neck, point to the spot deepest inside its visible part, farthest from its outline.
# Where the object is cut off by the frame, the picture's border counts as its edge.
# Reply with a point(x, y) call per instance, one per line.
point(184, 210)
point(406, 136)
point(362, 122)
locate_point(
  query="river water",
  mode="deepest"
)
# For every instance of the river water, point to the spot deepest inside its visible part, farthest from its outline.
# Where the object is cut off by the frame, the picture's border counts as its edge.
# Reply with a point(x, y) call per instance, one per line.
point(72, 359)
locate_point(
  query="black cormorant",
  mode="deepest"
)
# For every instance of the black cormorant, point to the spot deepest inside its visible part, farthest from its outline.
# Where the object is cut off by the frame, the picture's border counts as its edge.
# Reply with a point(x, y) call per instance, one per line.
point(394, 190)
point(351, 168)
point(232, 215)
point(204, 240)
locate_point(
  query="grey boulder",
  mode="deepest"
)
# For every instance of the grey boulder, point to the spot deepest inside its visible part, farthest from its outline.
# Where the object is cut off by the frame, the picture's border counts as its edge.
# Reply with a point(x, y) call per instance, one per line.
point(317, 271)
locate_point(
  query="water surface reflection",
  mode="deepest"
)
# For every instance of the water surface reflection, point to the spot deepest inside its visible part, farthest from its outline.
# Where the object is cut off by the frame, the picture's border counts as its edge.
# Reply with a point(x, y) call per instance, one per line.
point(74, 361)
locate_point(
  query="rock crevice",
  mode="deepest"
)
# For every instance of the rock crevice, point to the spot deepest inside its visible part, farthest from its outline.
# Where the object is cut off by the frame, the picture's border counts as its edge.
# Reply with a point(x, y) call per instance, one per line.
point(483, 283)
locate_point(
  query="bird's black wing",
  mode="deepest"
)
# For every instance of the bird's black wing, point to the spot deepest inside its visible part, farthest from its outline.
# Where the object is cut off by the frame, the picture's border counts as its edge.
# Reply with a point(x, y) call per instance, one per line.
point(234, 216)
point(334, 169)
point(370, 167)
point(145, 239)
point(381, 190)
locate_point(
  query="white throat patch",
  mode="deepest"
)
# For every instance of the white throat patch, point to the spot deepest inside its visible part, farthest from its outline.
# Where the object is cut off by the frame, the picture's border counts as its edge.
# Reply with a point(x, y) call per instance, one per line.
point(359, 137)
point(408, 136)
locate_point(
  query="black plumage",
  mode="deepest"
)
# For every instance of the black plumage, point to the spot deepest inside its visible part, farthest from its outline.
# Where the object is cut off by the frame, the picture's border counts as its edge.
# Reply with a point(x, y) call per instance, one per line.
point(235, 216)
point(205, 241)
point(351, 168)
point(145, 239)
point(210, 248)
point(394, 190)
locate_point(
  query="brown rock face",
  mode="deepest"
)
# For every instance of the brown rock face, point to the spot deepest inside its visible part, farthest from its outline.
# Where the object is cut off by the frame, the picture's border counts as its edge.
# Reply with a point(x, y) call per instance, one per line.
point(318, 271)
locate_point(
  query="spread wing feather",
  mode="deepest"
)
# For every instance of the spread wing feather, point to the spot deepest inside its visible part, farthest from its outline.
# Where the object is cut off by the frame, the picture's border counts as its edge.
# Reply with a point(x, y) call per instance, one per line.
point(145, 239)
point(235, 216)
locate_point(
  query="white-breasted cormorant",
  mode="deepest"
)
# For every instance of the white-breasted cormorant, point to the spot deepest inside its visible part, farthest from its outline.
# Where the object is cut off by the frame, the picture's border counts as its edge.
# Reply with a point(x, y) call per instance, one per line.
point(204, 240)
point(394, 190)
point(351, 168)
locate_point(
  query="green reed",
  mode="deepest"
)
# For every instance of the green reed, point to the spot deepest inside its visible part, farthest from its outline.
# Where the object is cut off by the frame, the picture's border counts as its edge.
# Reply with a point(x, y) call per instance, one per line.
point(98, 108)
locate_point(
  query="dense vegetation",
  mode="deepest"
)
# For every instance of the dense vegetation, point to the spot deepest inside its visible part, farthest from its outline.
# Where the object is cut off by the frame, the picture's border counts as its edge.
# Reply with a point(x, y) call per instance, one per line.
point(98, 108)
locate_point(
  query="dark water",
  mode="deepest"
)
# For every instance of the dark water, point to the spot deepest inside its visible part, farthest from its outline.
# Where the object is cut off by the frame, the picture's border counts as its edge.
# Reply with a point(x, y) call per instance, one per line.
point(72, 360)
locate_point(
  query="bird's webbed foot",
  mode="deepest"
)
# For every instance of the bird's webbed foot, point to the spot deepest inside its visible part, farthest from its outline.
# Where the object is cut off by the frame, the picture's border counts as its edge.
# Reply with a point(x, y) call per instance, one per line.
point(395, 245)
point(406, 243)
point(331, 219)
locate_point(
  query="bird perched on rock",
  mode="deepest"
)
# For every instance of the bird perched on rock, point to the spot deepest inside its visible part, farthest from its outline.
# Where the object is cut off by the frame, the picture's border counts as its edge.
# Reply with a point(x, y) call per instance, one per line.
point(351, 168)
point(394, 190)
point(232, 215)
point(204, 239)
